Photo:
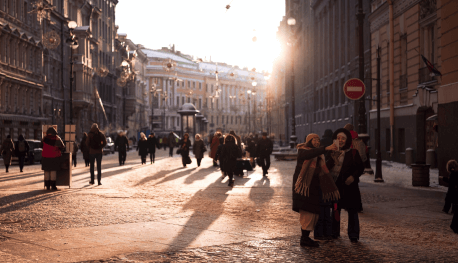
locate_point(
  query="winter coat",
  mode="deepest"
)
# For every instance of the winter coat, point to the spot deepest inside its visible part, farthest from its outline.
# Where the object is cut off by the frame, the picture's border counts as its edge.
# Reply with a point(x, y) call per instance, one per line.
point(214, 146)
point(310, 203)
point(251, 147)
point(75, 149)
point(96, 133)
point(350, 196)
point(142, 147)
point(153, 143)
point(184, 147)
point(228, 157)
point(52, 151)
point(165, 141)
point(26, 147)
point(7, 151)
point(264, 147)
point(121, 143)
point(239, 140)
point(84, 148)
point(171, 140)
point(452, 192)
point(218, 154)
point(326, 140)
point(198, 149)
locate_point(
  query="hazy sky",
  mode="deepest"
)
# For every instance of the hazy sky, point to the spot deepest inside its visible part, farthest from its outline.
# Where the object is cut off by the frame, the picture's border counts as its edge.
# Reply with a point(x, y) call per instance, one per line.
point(203, 28)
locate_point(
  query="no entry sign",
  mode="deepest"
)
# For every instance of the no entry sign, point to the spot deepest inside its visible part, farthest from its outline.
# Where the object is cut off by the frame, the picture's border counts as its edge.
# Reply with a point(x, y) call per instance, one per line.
point(354, 89)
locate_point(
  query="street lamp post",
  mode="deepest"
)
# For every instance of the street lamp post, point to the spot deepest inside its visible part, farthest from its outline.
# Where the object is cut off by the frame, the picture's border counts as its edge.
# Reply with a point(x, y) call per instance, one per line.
point(378, 164)
point(291, 22)
point(72, 41)
point(362, 102)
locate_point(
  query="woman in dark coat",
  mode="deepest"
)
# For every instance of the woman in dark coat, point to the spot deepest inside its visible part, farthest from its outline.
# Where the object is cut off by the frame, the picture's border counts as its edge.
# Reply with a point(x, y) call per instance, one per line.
point(346, 167)
point(228, 158)
point(198, 149)
point(142, 148)
point(183, 146)
point(452, 192)
point(22, 150)
point(50, 161)
point(311, 181)
point(7, 151)
point(85, 149)
point(218, 155)
point(214, 147)
point(153, 143)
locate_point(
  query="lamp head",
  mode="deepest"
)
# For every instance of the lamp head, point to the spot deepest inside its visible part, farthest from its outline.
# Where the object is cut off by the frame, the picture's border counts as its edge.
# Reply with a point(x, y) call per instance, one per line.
point(72, 25)
point(254, 84)
point(291, 21)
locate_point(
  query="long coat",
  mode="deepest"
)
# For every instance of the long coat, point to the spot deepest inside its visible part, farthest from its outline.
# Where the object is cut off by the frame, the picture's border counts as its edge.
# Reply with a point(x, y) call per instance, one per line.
point(152, 142)
point(214, 146)
point(264, 147)
point(350, 196)
point(7, 151)
point(198, 149)
point(310, 203)
point(452, 192)
point(184, 147)
point(84, 148)
point(142, 147)
point(229, 154)
point(52, 151)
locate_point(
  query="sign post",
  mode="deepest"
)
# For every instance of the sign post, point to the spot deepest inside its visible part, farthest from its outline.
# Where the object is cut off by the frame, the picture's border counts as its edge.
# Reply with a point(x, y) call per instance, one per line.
point(354, 89)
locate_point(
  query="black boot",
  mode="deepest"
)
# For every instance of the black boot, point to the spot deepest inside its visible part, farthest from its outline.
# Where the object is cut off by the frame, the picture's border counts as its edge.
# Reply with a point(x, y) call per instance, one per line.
point(48, 184)
point(53, 185)
point(7, 168)
point(306, 241)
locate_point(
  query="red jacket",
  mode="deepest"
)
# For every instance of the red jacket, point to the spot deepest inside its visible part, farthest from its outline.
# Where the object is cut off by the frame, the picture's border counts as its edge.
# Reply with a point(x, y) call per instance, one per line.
point(51, 146)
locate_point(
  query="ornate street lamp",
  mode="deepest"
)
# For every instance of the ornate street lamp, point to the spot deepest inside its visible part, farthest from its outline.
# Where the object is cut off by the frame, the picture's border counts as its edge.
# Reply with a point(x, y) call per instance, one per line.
point(72, 41)
point(292, 22)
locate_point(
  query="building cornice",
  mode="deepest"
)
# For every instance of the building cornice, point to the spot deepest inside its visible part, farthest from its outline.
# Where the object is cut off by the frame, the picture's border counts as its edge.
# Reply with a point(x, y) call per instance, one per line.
point(379, 17)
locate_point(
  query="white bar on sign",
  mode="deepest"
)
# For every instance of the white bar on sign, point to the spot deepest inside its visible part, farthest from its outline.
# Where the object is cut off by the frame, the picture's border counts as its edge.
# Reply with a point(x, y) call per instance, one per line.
point(350, 88)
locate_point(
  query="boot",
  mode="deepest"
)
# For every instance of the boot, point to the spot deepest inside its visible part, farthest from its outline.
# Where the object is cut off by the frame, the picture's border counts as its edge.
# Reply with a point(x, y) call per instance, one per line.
point(48, 184)
point(53, 185)
point(306, 241)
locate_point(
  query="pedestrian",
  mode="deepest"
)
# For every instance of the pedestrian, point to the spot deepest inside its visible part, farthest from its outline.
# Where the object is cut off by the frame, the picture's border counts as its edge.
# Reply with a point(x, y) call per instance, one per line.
point(452, 192)
point(237, 138)
point(75, 151)
point(311, 181)
point(251, 149)
point(7, 151)
point(171, 143)
point(228, 158)
point(264, 150)
point(50, 161)
point(346, 167)
point(326, 139)
point(451, 198)
point(165, 143)
point(198, 149)
point(218, 155)
point(142, 148)
point(183, 146)
point(21, 150)
point(85, 150)
point(96, 140)
point(153, 143)
point(214, 146)
point(121, 144)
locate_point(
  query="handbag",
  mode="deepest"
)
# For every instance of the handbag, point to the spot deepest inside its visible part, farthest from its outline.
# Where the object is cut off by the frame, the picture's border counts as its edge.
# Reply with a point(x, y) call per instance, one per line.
point(188, 161)
point(179, 151)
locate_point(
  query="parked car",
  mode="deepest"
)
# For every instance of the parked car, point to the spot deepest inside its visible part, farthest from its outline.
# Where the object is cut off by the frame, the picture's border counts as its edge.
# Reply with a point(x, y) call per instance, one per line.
point(35, 150)
point(110, 147)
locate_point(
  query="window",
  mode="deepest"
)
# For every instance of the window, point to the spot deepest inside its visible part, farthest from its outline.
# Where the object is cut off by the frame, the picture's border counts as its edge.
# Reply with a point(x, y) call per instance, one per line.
point(194, 85)
point(206, 88)
point(212, 119)
point(189, 84)
point(401, 140)
point(178, 121)
point(217, 120)
point(182, 100)
point(200, 86)
point(387, 140)
point(178, 101)
point(232, 119)
point(200, 103)
point(212, 89)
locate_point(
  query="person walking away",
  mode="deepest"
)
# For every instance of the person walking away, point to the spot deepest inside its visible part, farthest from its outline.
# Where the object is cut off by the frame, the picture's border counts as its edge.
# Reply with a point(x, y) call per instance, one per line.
point(228, 158)
point(346, 167)
point(165, 142)
point(96, 140)
point(142, 147)
point(184, 145)
point(153, 143)
point(171, 143)
point(311, 181)
point(214, 146)
point(264, 150)
point(75, 151)
point(198, 149)
point(50, 161)
point(218, 155)
point(451, 198)
point(237, 138)
point(251, 149)
point(85, 149)
point(21, 150)
point(121, 144)
point(7, 151)
point(326, 139)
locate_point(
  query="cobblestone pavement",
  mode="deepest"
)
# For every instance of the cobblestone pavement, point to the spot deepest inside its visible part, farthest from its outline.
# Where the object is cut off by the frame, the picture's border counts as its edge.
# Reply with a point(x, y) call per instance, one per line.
point(398, 224)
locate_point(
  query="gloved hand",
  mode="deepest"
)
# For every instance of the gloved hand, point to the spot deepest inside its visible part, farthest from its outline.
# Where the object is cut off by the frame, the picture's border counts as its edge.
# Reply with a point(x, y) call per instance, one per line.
point(349, 180)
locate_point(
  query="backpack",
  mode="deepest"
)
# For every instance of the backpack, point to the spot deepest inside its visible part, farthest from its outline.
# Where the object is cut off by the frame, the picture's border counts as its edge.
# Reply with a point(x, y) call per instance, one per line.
point(96, 141)
point(21, 146)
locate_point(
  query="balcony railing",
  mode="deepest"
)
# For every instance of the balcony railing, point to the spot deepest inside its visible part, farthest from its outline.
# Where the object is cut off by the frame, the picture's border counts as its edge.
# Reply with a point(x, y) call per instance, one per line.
point(425, 75)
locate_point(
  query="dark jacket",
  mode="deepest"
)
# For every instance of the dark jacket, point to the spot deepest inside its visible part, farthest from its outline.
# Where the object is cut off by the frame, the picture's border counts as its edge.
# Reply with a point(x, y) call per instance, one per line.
point(171, 140)
point(214, 146)
point(121, 143)
point(142, 147)
point(251, 147)
point(350, 196)
point(229, 154)
point(326, 140)
point(96, 134)
point(84, 148)
point(310, 203)
point(184, 147)
point(7, 151)
point(264, 147)
point(452, 192)
point(198, 149)
point(26, 147)
point(153, 143)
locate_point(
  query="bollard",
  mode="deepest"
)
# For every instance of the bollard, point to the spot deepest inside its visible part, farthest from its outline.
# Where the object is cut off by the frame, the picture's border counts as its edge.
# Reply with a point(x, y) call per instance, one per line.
point(431, 158)
point(409, 154)
point(420, 175)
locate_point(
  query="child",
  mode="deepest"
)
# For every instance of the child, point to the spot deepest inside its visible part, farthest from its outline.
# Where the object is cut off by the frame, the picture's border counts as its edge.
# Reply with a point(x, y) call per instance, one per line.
point(452, 193)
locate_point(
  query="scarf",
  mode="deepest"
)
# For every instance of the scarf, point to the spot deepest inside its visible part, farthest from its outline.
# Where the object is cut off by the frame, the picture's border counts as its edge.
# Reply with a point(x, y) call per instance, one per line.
point(327, 185)
point(338, 157)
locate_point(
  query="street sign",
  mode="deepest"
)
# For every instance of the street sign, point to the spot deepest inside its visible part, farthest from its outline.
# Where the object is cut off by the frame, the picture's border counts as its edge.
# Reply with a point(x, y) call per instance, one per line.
point(354, 89)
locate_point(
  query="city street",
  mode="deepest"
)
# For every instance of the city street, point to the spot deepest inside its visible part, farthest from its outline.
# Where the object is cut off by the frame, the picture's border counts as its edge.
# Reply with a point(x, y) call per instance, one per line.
point(163, 212)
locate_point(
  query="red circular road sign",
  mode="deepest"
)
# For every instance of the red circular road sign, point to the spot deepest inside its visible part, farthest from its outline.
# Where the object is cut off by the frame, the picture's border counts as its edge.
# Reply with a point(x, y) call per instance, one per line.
point(354, 89)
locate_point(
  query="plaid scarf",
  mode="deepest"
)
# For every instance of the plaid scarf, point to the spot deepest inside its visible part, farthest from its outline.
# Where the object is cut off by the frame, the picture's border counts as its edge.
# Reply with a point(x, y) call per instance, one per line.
point(338, 157)
point(327, 185)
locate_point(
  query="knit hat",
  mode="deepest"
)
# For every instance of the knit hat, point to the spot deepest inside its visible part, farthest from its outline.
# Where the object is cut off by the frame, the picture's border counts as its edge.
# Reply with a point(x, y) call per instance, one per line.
point(311, 136)
point(452, 165)
point(354, 134)
point(349, 127)
point(347, 134)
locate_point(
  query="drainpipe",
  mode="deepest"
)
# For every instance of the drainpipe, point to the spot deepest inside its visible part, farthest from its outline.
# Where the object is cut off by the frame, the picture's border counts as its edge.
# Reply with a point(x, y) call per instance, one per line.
point(391, 68)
